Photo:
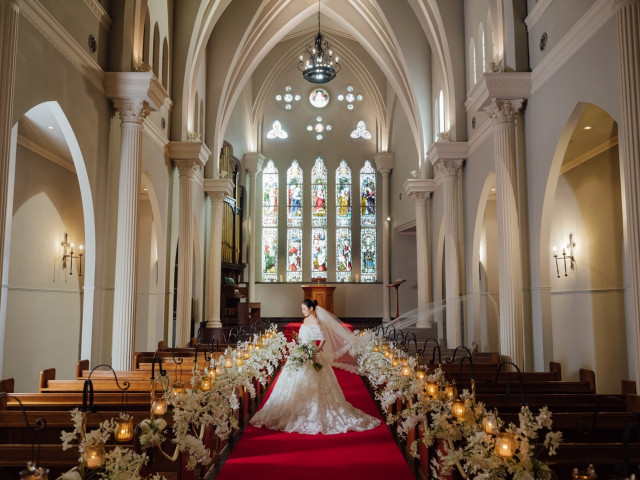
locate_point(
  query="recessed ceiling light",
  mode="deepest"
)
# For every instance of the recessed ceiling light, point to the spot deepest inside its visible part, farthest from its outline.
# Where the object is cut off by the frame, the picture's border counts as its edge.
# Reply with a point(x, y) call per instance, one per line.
point(588, 127)
point(50, 127)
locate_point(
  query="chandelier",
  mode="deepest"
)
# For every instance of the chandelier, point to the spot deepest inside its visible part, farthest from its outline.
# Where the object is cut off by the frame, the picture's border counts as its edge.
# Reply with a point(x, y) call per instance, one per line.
point(319, 67)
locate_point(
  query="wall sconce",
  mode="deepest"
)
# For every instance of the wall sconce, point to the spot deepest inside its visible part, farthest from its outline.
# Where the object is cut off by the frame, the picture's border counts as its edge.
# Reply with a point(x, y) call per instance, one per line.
point(68, 253)
point(567, 253)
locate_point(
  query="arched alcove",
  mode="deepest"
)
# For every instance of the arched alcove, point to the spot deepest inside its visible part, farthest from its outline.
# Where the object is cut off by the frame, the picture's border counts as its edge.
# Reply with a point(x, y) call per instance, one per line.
point(582, 219)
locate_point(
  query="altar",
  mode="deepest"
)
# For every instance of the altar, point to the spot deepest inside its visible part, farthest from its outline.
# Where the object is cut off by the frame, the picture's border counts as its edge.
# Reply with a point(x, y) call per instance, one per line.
point(322, 293)
point(293, 328)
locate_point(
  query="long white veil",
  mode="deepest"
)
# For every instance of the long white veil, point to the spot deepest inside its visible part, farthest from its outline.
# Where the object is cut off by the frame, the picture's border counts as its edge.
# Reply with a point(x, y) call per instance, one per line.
point(340, 343)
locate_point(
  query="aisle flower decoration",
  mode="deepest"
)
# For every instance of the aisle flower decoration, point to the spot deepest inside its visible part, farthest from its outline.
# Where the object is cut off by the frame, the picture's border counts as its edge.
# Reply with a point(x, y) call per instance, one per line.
point(93, 461)
point(457, 424)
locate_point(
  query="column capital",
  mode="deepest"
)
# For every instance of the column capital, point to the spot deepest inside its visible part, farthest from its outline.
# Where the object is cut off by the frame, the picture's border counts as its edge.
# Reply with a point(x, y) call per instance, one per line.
point(184, 152)
point(447, 168)
point(419, 189)
point(253, 161)
point(504, 85)
point(134, 94)
point(218, 189)
point(445, 151)
point(504, 111)
point(384, 161)
point(618, 4)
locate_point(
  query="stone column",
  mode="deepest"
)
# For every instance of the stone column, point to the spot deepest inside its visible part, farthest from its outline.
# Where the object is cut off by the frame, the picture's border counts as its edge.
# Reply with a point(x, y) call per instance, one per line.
point(384, 162)
point(503, 114)
point(134, 95)
point(448, 170)
point(9, 19)
point(420, 190)
point(188, 157)
point(217, 191)
point(627, 14)
point(253, 164)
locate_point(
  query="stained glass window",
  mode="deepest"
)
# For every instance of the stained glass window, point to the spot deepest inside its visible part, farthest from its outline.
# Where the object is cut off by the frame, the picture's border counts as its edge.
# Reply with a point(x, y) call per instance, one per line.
point(294, 195)
point(343, 195)
point(368, 262)
point(318, 253)
point(319, 194)
point(277, 131)
point(361, 131)
point(294, 255)
point(269, 254)
point(270, 223)
point(343, 255)
point(368, 252)
point(367, 195)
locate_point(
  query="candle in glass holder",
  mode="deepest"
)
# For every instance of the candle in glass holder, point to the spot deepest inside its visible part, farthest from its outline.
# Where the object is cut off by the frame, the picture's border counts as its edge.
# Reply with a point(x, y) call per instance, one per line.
point(488, 425)
point(94, 456)
point(124, 428)
point(420, 374)
point(159, 406)
point(376, 348)
point(247, 354)
point(239, 361)
point(458, 409)
point(404, 361)
point(205, 385)
point(431, 388)
point(211, 371)
point(178, 388)
point(504, 445)
point(228, 362)
point(450, 391)
point(34, 473)
point(395, 362)
point(406, 370)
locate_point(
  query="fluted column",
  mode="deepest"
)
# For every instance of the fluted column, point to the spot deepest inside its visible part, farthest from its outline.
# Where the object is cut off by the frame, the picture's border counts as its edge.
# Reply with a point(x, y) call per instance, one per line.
point(9, 19)
point(124, 301)
point(253, 164)
point(449, 170)
point(188, 157)
point(420, 190)
point(627, 14)
point(134, 95)
point(384, 162)
point(217, 191)
point(503, 114)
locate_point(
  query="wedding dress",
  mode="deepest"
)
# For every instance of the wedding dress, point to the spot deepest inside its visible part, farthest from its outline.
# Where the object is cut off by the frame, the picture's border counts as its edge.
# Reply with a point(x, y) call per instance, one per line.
point(307, 401)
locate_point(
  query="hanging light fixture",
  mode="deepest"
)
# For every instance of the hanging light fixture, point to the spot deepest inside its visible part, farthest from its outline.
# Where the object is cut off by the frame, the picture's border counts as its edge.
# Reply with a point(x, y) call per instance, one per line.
point(320, 66)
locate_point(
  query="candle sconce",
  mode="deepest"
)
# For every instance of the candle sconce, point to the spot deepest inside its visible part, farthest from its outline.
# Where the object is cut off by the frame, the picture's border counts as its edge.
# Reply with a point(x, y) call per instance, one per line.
point(69, 254)
point(567, 253)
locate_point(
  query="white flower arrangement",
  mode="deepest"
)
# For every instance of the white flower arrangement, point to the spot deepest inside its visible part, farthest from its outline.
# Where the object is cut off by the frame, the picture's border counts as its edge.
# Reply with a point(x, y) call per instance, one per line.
point(463, 443)
point(119, 463)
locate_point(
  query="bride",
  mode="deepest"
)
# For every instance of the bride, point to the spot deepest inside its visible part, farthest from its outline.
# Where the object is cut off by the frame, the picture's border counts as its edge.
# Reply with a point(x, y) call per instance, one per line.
point(309, 401)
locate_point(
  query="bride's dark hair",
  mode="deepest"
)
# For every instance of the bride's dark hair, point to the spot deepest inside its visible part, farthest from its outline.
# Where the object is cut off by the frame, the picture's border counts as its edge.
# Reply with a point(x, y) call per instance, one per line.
point(310, 303)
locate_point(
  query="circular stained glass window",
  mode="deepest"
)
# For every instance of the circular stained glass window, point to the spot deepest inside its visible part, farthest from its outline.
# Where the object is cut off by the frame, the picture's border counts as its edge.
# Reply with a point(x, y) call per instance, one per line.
point(309, 127)
point(350, 88)
point(319, 97)
point(288, 106)
point(319, 127)
point(287, 88)
point(350, 97)
point(297, 97)
point(278, 98)
point(340, 97)
point(318, 137)
point(328, 127)
point(288, 97)
point(350, 106)
point(318, 119)
point(359, 97)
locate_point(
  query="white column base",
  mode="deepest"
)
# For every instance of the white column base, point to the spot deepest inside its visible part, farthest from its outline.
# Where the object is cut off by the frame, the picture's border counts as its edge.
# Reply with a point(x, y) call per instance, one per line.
point(214, 324)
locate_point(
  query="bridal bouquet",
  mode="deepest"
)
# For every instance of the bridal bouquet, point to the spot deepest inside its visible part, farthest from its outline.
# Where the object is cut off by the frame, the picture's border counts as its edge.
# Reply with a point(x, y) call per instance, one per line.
point(302, 355)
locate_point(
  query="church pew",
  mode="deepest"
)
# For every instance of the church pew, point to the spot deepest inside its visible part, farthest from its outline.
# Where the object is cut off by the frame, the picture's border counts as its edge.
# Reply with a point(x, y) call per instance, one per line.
point(99, 385)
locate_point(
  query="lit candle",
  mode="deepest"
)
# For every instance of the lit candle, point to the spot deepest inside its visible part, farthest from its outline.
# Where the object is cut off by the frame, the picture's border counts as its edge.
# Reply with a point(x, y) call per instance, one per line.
point(94, 456)
point(34, 473)
point(488, 425)
point(406, 371)
point(450, 391)
point(211, 371)
point(124, 428)
point(376, 348)
point(431, 388)
point(458, 409)
point(206, 384)
point(159, 406)
point(395, 362)
point(420, 374)
point(178, 388)
point(504, 445)
point(228, 362)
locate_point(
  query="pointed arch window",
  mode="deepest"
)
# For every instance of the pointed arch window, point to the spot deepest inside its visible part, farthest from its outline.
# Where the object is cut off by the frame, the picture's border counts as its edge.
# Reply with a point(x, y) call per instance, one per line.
point(319, 220)
point(343, 223)
point(270, 223)
point(294, 222)
point(441, 124)
point(369, 260)
point(483, 47)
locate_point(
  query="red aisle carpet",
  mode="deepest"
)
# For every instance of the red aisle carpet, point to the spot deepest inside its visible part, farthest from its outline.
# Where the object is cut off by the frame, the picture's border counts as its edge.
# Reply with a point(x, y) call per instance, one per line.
point(263, 454)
